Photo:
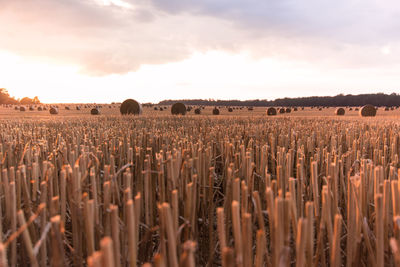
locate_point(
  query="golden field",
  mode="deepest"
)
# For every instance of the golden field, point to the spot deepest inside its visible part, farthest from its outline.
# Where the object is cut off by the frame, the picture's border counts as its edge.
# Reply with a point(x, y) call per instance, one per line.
point(240, 189)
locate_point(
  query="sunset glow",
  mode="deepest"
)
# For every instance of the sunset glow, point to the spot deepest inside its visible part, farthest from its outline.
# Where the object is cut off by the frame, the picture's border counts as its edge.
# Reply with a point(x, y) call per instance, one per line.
point(104, 51)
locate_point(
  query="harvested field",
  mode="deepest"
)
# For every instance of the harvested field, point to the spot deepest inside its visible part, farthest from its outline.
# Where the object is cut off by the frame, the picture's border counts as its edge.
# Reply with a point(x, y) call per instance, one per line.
point(240, 189)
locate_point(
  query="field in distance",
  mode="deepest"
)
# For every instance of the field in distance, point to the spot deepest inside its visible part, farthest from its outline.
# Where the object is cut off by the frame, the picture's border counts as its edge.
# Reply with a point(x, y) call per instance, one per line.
point(107, 109)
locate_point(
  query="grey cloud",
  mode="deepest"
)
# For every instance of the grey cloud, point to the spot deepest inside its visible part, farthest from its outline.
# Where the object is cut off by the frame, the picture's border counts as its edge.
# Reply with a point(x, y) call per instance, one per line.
point(105, 40)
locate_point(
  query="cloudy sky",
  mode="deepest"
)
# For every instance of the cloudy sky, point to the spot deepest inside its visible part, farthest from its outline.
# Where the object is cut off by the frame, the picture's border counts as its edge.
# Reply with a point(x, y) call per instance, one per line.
point(150, 50)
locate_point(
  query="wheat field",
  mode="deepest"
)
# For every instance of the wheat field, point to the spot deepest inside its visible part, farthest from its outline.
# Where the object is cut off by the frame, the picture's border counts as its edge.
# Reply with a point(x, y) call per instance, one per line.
point(238, 189)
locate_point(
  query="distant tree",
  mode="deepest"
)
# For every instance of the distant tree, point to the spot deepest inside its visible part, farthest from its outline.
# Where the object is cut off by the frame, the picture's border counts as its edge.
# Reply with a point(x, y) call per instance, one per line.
point(26, 101)
point(5, 97)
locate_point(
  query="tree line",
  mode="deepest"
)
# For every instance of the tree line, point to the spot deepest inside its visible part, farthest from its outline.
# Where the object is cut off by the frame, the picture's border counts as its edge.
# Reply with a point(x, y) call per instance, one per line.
point(379, 99)
point(5, 98)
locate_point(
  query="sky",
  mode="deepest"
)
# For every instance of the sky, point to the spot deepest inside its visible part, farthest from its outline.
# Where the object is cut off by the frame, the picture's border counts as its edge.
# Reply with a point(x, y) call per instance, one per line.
point(105, 51)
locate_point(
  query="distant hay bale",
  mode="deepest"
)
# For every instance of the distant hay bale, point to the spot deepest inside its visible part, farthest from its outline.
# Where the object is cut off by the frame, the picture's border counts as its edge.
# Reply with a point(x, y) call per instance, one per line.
point(215, 111)
point(302, 108)
point(39, 108)
point(197, 111)
point(16, 108)
point(386, 109)
point(22, 109)
point(340, 111)
point(44, 108)
point(67, 108)
point(271, 111)
point(281, 110)
point(294, 109)
point(178, 109)
point(78, 108)
point(130, 106)
point(230, 110)
point(31, 108)
point(155, 108)
point(368, 111)
point(288, 110)
point(95, 111)
point(250, 108)
point(161, 109)
point(356, 109)
point(53, 111)
point(350, 109)
point(188, 109)
point(320, 109)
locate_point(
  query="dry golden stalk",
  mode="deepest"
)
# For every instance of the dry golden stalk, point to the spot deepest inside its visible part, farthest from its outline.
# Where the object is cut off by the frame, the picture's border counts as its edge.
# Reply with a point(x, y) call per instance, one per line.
point(175, 210)
point(171, 234)
point(247, 239)
point(27, 239)
point(221, 229)
point(187, 257)
point(63, 194)
point(13, 222)
point(260, 249)
point(315, 187)
point(379, 230)
point(106, 245)
point(301, 242)
point(130, 225)
point(310, 233)
point(115, 235)
point(159, 261)
point(95, 260)
point(89, 225)
point(237, 233)
point(3, 256)
point(335, 249)
point(228, 257)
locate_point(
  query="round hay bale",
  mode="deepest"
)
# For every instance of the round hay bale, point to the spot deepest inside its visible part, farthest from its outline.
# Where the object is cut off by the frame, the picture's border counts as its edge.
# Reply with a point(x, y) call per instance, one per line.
point(67, 108)
point(288, 110)
point(39, 108)
point(386, 108)
point(16, 108)
point(271, 111)
point(294, 109)
point(250, 108)
point(95, 111)
point(161, 109)
point(130, 106)
point(197, 111)
point(155, 108)
point(302, 108)
point(31, 108)
point(178, 109)
point(53, 111)
point(22, 109)
point(188, 109)
point(78, 108)
point(350, 109)
point(368, 111)
point(340, 111)
point(320, 109)
point(230, 110)
point(44, 108)
point(281, 110)
point(356, 109)
point(215, 111)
